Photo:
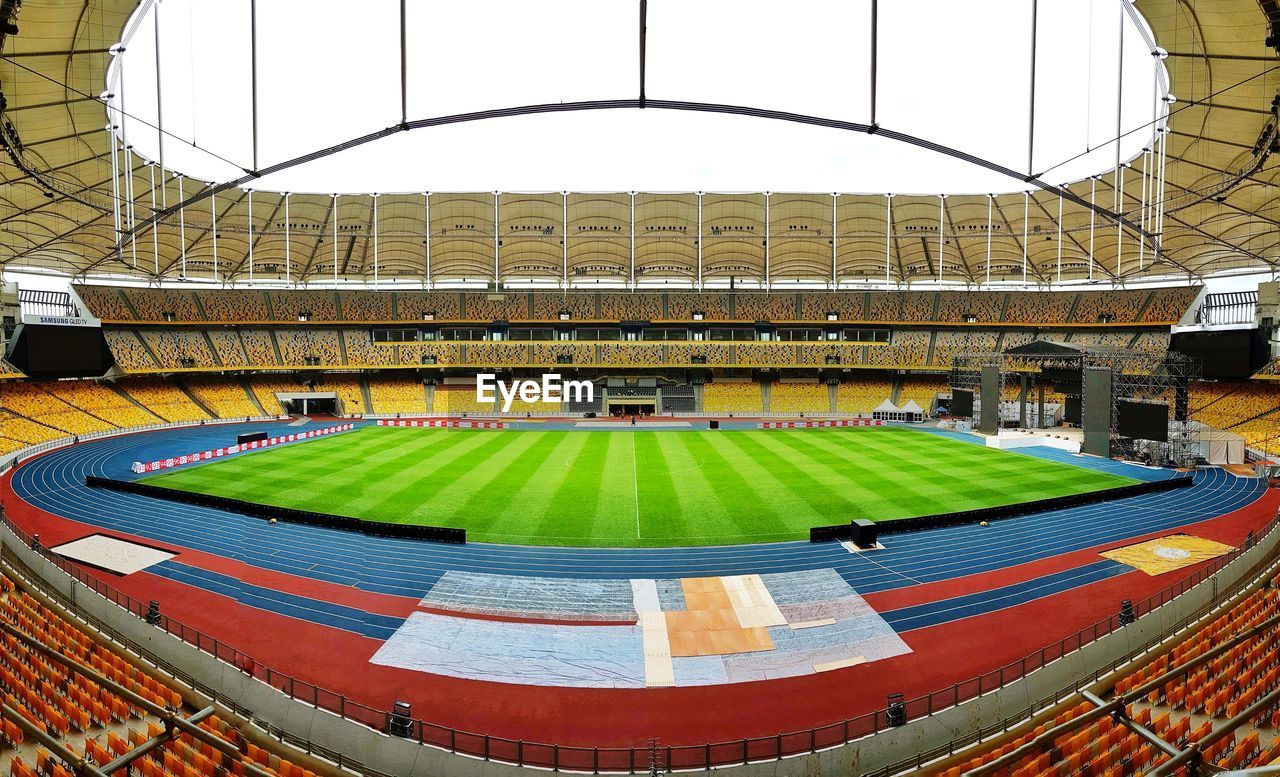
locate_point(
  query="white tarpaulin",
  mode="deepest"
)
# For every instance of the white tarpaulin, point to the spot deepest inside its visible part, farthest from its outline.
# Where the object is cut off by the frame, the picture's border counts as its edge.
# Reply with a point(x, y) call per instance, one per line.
point(1215, 446)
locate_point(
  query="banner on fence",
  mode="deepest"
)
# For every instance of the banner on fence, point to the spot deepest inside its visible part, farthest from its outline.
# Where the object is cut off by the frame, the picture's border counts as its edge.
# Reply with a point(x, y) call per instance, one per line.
point(819, 424)
point(141, 467)
point(447, 423)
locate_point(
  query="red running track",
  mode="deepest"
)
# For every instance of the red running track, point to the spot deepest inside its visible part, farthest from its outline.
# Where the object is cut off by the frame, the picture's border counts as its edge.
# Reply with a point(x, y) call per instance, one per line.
point(942, 654)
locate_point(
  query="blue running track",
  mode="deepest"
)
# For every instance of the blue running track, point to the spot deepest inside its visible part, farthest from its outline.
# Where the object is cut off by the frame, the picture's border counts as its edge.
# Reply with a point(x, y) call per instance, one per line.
point(55, 483)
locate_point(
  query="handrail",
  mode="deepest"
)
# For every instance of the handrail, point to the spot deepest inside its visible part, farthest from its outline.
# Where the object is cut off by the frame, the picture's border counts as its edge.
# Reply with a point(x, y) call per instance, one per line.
point(14, 458)
point(1021, 716)
point(633, 759)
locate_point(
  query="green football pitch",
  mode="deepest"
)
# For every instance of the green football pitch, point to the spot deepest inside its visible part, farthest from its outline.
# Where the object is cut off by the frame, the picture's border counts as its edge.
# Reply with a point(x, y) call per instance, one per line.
point(642, 488)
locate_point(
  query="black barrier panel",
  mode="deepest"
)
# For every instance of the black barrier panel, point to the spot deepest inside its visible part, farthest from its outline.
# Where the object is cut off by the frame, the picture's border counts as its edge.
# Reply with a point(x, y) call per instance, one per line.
point(248, 437)
point(903, 525)
point(326, 520)
point(841, 531)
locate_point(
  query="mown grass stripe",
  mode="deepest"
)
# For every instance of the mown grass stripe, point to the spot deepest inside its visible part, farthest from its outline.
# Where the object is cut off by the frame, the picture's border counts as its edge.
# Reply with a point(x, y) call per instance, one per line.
point(881, 482)
point(371, 493)
point(567, 517)
point(494, 500)
point(662, 511)
point(529, 514)
point(741, 488)
point(584, 488)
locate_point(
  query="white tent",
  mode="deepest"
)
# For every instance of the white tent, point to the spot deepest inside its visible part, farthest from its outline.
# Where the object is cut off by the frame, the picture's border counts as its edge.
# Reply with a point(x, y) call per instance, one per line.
point(913, 412)
point(887, 411)
point(1215, 446)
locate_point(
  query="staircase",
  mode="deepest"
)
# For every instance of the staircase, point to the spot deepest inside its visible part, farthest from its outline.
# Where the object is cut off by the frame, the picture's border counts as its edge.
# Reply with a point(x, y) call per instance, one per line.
point(195, 400)
point(253, 398)
point(365, 395)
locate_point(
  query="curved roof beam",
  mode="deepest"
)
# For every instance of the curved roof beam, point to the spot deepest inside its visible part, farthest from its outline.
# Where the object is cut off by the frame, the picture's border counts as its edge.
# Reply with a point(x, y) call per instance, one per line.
point(594, 105)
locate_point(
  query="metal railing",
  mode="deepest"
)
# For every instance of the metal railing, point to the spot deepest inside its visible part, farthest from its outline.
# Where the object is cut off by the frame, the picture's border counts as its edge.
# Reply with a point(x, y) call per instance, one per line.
point(628, 759)
point(15, 458)
point(1262, 569)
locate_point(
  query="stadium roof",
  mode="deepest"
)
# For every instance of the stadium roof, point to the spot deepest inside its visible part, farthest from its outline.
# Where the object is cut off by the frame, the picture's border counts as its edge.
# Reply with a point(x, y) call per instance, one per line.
point(1219, 210)
point(233, 99)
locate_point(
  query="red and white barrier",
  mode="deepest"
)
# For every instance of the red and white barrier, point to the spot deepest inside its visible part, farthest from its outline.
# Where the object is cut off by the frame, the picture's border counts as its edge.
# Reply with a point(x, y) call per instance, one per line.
point(444, 423)
point(140, 467)
point(820, 424)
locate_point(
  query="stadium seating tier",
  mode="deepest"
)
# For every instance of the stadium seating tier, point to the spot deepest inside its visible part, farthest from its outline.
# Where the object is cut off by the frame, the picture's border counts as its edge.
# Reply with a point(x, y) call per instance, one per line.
point(122, 304)
point(94, 720)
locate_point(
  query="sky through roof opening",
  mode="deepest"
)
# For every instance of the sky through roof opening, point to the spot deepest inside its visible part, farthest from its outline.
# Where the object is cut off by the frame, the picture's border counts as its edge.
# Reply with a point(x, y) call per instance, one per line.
point(954, 72)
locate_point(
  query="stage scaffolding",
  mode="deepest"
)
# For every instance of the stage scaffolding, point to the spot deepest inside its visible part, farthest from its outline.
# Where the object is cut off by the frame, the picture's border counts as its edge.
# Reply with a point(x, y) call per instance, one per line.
point(1136, 376)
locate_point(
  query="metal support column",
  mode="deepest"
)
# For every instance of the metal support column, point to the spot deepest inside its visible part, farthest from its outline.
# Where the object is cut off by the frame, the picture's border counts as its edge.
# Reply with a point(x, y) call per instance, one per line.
point(888, 235)
point(249, 193)
point(115, 187)
point(1119, 220)
point(766, 243)
point(155, 24)
point(942, 229)
point(564, 241)
point(1093, 213)
point(699, 241)
point(1060, 236)
point(426, 238)
point(154, 743)
point(288, 239)
point(128, 193)
point(60, 751)
point(1118, 175)
point(213, 230)
point(497, 238)
point(155, 239)
point(1031, 99)
point(835, 284)
point(1026, 212)
point(875, 55)
point(1142, 209)
point(253, 75)
point(631, 282)
point(1160, 197)
point(404, 67)
point(182, 226)
point(991, 201)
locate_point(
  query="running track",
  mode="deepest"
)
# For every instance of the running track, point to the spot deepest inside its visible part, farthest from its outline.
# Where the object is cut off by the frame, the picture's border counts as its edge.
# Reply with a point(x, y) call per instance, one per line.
point(240, 580)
